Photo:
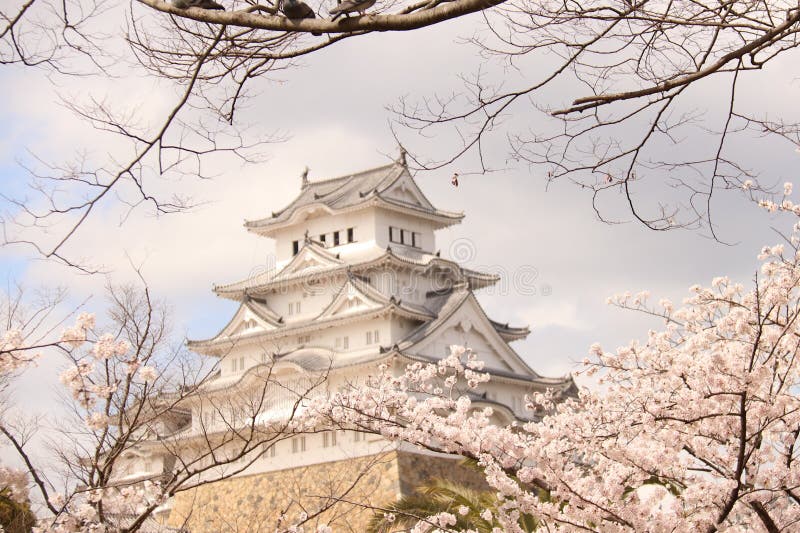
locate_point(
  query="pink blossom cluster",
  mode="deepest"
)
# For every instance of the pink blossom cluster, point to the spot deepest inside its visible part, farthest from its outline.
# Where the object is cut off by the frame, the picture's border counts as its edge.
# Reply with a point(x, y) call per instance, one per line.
point(11, 358)
point(119, 505)
point(108, 353)
point(14, 483)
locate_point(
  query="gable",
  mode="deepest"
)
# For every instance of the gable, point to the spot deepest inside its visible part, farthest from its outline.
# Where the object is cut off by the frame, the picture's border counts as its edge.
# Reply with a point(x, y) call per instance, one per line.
point(405, 190)
point(245, 322)
point(463, 334)
point(309, 259)
point(469, 326)
point(349, 300)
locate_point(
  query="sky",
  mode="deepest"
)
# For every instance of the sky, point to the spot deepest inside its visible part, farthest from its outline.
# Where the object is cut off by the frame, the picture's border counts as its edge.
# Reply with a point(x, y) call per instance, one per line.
point(559, 261)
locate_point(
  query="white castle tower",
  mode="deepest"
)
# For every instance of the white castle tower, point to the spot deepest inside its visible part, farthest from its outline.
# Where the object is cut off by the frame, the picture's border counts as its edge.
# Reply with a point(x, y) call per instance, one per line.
point(358, 282)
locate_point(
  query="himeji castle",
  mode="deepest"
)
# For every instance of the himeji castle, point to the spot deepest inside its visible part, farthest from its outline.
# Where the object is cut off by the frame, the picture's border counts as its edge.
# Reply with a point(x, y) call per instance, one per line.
point(358, 282)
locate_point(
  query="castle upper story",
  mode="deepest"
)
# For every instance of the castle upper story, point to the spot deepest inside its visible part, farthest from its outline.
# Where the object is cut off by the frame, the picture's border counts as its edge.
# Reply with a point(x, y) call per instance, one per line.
point(354, 214)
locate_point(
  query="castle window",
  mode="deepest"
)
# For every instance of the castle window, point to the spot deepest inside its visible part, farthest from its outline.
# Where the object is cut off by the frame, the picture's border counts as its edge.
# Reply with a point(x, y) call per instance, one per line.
point(416, 240)
point(358, 436)
point(322, 238)
point(329, 439)
point(233, 365)
point(268, 450)
point(295, 247)
point(241, 363)
point(303, 339)
point(369, 337)
point(394, 236)
point(336, 238)
point(345, 342)
point(403, 236)
point(294, 308)
point(299, 444)
point(350, 235)
point(373, 336)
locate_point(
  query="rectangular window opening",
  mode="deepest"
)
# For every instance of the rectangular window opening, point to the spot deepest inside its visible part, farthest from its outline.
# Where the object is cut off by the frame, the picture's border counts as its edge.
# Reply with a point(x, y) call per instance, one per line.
point(295, 247)
point(350, 235)
point(336, 238)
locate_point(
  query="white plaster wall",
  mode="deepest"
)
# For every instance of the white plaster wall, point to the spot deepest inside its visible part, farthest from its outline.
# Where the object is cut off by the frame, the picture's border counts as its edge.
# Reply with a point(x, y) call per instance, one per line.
point(363, 223)
point(385, 218)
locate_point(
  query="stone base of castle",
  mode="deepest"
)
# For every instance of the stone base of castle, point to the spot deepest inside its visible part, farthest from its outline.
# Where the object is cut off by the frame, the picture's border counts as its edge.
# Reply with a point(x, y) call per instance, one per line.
point(344, 493)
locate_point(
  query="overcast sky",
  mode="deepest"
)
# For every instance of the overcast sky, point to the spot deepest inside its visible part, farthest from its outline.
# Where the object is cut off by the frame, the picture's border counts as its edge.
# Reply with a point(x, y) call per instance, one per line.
point(334, 109)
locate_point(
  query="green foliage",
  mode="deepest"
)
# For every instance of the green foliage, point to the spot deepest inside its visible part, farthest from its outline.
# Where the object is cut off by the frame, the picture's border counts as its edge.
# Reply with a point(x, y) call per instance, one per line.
point(444, 496)
point(15, 517)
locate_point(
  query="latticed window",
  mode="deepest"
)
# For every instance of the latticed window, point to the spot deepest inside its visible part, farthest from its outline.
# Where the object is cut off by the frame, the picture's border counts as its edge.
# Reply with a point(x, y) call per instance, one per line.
point(299, 444)
point(329, 439)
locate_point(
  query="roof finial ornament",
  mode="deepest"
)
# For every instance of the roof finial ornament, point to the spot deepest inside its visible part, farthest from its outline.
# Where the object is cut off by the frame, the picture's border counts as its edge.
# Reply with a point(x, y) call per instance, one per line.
point(304, 178)
point(402, 157)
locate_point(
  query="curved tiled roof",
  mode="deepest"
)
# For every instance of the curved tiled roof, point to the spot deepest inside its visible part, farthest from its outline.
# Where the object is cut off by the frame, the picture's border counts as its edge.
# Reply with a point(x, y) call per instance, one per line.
point(221, 343)
point(263, 282)
point(344, 192)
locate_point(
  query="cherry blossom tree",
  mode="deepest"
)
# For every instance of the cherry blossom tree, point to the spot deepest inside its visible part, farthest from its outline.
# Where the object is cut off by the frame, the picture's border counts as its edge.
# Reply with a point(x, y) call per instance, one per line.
point(128, 383)
point(694, 428)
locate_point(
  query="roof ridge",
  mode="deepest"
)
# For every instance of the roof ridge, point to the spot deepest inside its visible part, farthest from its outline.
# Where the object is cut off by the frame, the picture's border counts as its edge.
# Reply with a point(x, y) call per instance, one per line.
point(351, 175)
